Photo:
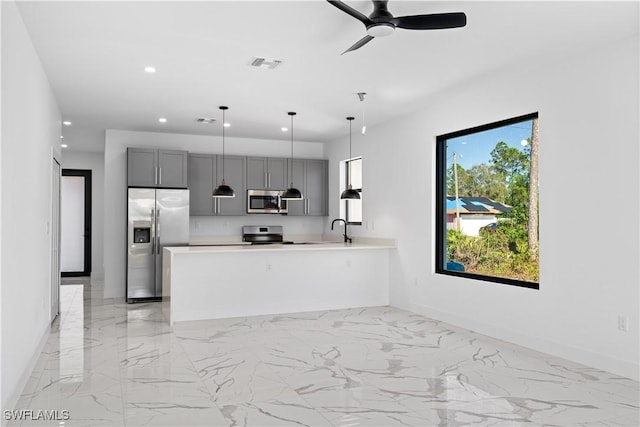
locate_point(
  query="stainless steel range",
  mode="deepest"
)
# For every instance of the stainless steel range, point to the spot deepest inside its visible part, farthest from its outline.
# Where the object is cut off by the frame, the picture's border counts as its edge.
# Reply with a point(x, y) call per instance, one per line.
point(263, 234)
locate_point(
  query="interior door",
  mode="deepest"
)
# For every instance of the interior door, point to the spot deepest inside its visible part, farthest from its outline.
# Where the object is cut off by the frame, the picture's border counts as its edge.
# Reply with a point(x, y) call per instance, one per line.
point(75, 229)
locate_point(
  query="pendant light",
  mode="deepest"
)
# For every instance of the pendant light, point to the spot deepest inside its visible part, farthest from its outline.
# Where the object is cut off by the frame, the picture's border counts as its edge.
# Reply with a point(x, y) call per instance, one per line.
point(292, 193)
point(361, 97)
point(350, 193)
point(223, 190)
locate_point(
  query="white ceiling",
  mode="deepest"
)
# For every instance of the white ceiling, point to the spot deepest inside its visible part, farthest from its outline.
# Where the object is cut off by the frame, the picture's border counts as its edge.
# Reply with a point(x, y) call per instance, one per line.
point(94, 54)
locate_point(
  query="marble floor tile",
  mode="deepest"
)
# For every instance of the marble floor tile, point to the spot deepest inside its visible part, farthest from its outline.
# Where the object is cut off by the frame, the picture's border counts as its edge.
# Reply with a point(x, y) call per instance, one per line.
point(109, 363)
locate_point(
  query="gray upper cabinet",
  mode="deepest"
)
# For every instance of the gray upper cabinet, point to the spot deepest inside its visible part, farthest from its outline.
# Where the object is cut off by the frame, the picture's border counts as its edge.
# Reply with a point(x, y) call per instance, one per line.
point(317, 187)
point(148, 167)
point(142, 167)
point(311, 177)
point(172, 169)
point(266, 173)
point(205, 173)
point(201, 181)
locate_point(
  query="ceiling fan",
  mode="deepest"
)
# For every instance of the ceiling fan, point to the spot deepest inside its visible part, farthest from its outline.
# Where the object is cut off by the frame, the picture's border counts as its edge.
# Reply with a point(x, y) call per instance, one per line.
point(382, 23)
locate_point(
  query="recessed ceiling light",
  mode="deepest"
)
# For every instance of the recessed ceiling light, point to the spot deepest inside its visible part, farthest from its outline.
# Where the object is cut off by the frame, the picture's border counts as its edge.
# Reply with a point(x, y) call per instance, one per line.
point(63, 145)
point(162, 120)
point(150, 69)
point(61, 137)
point(284, 129)
point(227, 124)
point(66, 123)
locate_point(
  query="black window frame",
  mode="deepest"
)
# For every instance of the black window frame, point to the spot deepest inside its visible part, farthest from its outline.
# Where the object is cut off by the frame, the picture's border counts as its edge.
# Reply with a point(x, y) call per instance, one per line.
point(359, 190)
point(441, 194)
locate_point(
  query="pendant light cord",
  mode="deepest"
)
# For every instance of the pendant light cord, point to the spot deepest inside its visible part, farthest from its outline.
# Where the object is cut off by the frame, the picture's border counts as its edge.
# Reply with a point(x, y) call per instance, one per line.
point(350, 123)
point(291, 114)
point(223, 121)
point(291, 166)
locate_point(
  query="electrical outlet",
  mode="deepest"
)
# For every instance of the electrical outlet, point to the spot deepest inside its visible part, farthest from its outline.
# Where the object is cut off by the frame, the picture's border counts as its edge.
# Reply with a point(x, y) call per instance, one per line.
point(623, 323)
point(197, 225)
point(348, 263)
point(268, 267)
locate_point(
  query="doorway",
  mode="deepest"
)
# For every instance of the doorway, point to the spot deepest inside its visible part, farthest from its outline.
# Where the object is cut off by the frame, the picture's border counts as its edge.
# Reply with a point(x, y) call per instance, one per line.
point(75, 230)
point(55, 240)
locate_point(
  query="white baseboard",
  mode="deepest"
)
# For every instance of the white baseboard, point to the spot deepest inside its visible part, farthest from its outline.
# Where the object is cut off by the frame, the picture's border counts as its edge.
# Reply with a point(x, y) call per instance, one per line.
point(14, 395)
point(563, 350)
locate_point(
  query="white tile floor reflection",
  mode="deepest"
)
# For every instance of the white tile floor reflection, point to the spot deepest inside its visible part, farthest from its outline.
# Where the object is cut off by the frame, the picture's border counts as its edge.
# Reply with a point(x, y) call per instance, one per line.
point(110, 363)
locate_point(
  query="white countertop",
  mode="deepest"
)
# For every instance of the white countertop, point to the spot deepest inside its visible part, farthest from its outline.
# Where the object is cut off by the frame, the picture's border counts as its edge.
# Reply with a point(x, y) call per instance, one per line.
point(309, 246)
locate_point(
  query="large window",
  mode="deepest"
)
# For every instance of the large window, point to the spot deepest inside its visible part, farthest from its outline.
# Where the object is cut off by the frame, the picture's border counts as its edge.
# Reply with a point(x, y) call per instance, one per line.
point(487, 202)
point(353, 207)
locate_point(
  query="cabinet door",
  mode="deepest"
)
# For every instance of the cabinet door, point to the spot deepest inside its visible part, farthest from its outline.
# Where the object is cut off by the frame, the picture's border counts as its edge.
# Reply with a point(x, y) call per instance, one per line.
point(234, 174)
point(172, 169)
point(142, 166)
point(316, 172)
point(296, 207)
point(201, 182)
point(256, 173)
point(277, 173)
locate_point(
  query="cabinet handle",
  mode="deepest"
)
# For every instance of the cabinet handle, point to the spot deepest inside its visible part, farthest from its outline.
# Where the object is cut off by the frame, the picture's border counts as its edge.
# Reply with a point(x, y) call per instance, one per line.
point(269, 179)
point(155, 176)
point(159, 176)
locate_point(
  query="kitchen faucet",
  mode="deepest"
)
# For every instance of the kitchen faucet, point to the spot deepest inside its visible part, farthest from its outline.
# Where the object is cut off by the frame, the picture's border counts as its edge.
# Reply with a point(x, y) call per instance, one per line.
point(346, 239)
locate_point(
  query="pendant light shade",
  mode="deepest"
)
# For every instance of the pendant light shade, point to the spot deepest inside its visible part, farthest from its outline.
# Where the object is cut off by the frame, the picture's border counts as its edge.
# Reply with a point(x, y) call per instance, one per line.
point(223, 190)
point(350, 193)
point(291, 193)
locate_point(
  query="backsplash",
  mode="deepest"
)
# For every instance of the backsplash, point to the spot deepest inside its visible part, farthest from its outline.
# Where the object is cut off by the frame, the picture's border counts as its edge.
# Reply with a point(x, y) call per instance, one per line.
point(230, 227)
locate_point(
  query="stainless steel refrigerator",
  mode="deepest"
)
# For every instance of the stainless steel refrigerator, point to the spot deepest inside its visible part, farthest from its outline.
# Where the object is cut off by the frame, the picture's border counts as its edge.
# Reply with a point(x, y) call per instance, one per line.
point(155, 218)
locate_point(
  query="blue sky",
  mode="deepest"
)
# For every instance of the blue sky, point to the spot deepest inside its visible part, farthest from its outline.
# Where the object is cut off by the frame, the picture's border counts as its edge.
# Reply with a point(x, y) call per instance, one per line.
point(476, 148)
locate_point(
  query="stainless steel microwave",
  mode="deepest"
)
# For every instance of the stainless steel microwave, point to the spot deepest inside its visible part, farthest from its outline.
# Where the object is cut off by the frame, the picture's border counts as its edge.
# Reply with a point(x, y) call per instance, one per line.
point(265, 202)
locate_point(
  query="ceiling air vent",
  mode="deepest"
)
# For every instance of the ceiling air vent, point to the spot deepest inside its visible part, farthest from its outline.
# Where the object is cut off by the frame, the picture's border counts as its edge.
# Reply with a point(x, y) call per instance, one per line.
point(205, 120)
point(265, 63)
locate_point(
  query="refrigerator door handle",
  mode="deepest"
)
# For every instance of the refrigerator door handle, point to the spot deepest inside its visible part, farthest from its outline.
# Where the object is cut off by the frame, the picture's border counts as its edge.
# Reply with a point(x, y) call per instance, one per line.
point(153, 231)
point(158, 231)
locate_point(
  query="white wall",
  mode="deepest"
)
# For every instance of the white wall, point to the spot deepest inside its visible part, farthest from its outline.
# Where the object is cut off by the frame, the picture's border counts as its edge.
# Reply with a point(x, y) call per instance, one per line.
point(589, 133)
point(95, 163)
point(30, 136)
point(116, 143)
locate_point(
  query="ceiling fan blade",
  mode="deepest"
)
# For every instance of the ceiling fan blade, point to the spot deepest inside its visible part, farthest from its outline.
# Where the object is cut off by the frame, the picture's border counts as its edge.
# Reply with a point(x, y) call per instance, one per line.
point(359, 44)
point(351, 11)
point(435, 21)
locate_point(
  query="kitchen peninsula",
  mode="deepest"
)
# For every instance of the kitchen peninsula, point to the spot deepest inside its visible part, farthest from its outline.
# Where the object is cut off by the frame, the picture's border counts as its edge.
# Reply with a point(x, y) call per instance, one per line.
point(212, 282)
